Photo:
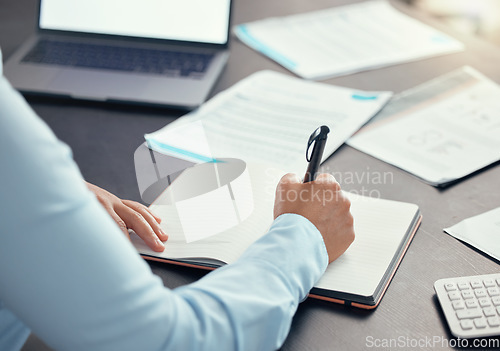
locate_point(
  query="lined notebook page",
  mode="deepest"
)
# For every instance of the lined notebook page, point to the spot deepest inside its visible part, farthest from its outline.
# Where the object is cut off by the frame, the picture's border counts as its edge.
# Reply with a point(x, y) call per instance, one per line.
point(228, 245)
point(380, 227)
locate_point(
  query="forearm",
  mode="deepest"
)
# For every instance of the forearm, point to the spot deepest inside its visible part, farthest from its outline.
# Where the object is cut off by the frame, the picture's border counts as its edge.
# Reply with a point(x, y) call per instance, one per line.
point(93, 294)
point(254, 299)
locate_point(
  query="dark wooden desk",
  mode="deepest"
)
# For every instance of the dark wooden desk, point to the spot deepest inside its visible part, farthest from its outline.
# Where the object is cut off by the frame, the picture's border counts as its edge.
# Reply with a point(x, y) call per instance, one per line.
point(104, 138)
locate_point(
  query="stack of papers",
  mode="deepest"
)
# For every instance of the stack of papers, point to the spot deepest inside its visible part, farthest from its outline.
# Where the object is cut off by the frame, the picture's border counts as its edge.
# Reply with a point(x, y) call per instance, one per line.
point(345, 39)
point(268, 118)
point(441, 131)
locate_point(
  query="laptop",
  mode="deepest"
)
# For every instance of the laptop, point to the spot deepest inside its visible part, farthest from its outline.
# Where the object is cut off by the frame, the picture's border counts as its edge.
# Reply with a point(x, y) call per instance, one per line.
point(153, 52)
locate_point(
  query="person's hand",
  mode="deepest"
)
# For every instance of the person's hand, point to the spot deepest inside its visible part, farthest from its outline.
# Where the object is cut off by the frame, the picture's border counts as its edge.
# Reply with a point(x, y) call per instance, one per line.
point(130, 214)
point(321, 202)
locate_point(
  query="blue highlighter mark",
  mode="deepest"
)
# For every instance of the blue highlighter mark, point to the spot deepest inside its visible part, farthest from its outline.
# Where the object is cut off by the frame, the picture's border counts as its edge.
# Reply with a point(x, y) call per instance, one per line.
point(266, 50)
point(364, 97)
point(157, 146)
point(440, 39)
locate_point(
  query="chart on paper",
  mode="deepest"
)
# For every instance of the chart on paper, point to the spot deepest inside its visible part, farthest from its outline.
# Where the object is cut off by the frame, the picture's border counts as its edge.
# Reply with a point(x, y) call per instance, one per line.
point(449, 134)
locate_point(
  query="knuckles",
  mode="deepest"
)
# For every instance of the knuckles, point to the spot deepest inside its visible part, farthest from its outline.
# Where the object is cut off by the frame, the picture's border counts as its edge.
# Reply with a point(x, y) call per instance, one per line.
point(136, 216)
point(121, 225)
point(288, 178)
point(335, 186)
point(349, 220)
point(347, 203)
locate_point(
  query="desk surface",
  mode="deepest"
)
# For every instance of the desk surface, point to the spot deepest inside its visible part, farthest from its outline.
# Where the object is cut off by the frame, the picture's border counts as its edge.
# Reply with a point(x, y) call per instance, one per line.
point(103, 139)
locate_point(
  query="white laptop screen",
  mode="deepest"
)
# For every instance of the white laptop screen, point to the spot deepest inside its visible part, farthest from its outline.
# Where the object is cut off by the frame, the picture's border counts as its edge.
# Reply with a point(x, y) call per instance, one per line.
point(205, 21)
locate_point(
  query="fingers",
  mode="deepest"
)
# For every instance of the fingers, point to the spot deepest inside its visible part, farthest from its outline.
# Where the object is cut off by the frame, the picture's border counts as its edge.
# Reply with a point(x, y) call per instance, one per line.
point(136, 221)
point(152, 219)
point(325, 178)
point(329, 181)
point(120, 222)
point(290, 178)
point(157, 219)
point(133, 215)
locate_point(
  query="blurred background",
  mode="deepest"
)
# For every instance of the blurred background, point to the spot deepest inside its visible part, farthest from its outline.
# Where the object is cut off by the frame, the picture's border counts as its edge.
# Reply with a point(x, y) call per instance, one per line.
point(478, 17)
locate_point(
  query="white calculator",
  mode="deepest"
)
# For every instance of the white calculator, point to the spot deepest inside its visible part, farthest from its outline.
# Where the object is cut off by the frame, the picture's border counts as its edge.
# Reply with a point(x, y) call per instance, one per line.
point(471, 305)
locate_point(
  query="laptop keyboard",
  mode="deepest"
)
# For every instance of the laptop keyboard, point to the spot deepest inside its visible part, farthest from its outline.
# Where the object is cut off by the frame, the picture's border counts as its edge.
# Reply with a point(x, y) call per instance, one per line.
point(152, 61)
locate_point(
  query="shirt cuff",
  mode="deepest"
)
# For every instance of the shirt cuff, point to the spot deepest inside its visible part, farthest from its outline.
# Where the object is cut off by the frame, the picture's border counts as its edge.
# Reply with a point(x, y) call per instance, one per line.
point(296, 248)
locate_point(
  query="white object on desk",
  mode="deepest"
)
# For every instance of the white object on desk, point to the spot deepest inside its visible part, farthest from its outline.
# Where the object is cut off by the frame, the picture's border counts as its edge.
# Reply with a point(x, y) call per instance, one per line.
point(267, 118)
point(210, 198)
point(345, 39)
point(482, 232)
point(471, 305)
point(440, 131)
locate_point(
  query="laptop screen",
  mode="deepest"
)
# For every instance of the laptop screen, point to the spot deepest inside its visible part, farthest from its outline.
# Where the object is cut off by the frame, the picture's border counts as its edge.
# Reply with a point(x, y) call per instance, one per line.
point(205, 21)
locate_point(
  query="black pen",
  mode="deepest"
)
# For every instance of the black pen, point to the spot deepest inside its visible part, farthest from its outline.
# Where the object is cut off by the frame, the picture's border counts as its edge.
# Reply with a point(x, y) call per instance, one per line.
point(318, 137)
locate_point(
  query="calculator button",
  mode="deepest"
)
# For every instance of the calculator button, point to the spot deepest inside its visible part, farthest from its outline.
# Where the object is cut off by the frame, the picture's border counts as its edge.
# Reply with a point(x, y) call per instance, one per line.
point(476, 284)
point(490, 312)
point(480, 293)
point(493, 321)
point(467, 294)
point(485, 302)
point(489, 283)
point(498, 309)
point(472, 313)
point(498, 281)
point(471, 303)
point(493, 291)
point(450, 287)
point(479, 323)
point(458, 305)
point(454, 295)
point(463, 286)
point(466, 324)
point(496, 300)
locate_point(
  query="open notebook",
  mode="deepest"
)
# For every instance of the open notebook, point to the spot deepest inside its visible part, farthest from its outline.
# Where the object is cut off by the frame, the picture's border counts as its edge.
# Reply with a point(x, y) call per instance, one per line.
point(360, 277)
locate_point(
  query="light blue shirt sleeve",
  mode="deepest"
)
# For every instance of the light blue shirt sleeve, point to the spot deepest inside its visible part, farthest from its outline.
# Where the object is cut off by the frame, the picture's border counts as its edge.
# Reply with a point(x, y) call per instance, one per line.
point(68, 273)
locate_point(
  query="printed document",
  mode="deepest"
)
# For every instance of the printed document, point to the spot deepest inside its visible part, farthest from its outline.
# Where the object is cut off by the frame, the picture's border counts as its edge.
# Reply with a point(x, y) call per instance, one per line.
point(345, 39)
point(480, 231)
point(441, 131)
point(268, 118)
